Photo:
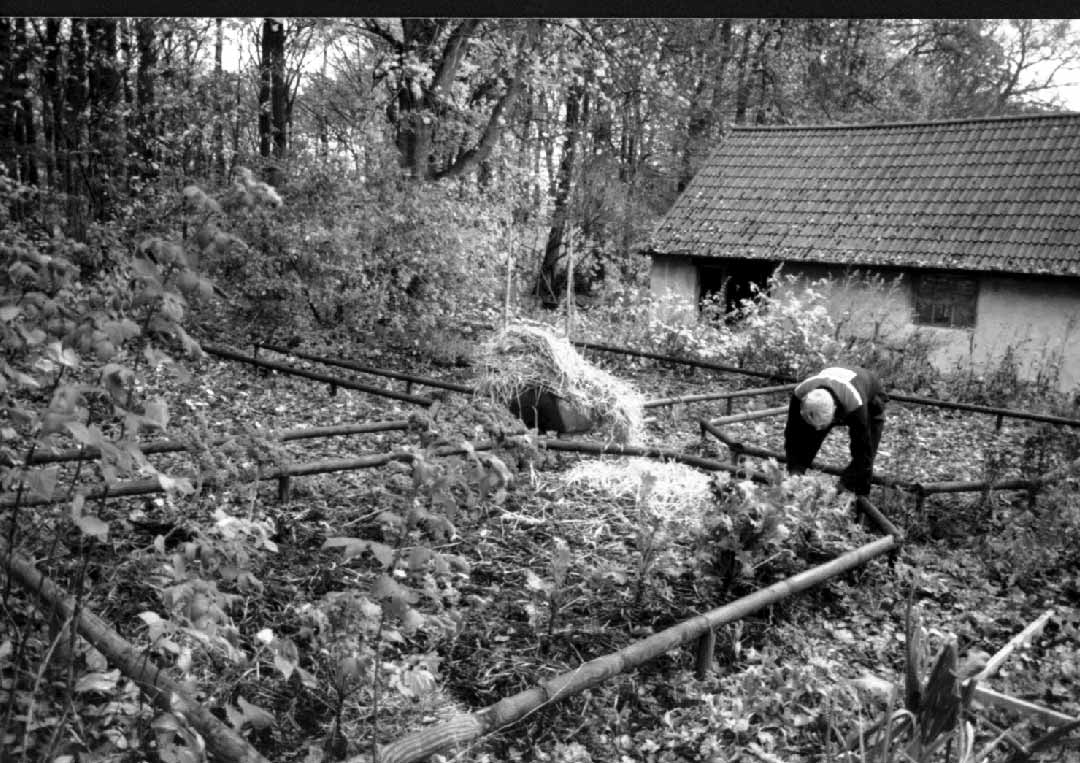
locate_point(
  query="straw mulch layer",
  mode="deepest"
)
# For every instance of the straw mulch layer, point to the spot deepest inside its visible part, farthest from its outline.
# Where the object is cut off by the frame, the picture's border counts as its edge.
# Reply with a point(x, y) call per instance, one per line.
point(532, 355)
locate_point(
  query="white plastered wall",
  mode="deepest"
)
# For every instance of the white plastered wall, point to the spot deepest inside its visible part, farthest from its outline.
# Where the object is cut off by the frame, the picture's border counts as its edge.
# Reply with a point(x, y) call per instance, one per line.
point(1037, 318)
point(673, 282)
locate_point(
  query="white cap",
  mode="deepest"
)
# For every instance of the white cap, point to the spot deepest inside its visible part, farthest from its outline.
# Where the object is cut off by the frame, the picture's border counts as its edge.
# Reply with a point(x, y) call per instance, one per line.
point(818, 408)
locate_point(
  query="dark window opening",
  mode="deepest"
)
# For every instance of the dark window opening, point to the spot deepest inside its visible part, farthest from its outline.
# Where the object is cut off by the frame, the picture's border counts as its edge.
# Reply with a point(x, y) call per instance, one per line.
point(946, 300)
point(734, 281)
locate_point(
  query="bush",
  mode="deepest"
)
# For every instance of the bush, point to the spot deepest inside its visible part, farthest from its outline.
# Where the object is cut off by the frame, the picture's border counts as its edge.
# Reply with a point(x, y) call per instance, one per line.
point(761, 533)
point(1041, 542)
point(788, 329)
point(389, 255)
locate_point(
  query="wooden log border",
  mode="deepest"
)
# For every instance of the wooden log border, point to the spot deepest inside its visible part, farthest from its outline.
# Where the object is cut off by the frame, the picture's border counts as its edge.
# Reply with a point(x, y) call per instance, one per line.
point(282, 475)
point(152, 485)
point(222, 742)
point(333, 381)
point(468, 727)
point(173, 446)
point(921, 489)
point(665, 401)
point(426, 381)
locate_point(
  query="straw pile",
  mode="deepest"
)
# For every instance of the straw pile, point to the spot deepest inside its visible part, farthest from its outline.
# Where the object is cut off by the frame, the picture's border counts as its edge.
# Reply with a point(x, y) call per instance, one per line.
point(679, 494)
point(531, 355)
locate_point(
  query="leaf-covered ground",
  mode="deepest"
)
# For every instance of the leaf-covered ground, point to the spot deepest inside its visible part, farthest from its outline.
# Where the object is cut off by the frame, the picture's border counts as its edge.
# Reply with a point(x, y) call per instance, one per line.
point(551, 575)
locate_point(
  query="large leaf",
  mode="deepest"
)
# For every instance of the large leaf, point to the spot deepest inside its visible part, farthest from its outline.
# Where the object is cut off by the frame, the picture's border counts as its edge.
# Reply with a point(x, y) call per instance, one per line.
point(255, 716)
point(85, 435)
point(99, 682)
point(156, 413)
point(42, 482)
point(145, 269)
point(93, 526)
point(354, 547)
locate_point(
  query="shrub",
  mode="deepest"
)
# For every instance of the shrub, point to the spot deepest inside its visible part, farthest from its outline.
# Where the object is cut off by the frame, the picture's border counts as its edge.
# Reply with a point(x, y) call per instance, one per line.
point(791, 328)
point(387, 254)
point(764, 532)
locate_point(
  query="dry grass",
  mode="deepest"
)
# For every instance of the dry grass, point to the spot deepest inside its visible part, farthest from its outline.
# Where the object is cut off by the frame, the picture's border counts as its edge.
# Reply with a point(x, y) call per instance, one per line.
point(678, 493)
point(532, 354)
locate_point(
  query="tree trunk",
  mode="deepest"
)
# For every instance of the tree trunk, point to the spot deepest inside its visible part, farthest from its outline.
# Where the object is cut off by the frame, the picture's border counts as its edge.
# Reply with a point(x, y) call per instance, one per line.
point(478, 154)
point(322, 123)
point(52, 101)
point(418, 104)
point(75, 128)
point(8, 154)
point(420, 107)
point(742, 90)
point(219, 103)
point(546, 287)
point(272, 99)
point(147, 114)
point(130, 144)
point(279, 95)
point(703, 113)
point(104, 91)
point(761, 69)
point(264, 90)
point(24, 136)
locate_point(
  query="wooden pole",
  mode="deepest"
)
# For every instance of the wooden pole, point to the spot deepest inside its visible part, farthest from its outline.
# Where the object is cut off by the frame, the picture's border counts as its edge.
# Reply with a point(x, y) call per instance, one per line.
point(230, 354)
point(569, 280)
point(764, 413)
point(221, 741)
point(685, 361)
point(662, 401)
point(509, 271)
point(929, 488)
point(468, 727)
point(751, 450)
point(616, 449)
point(880, 520)
point(426, 381)
point(171, 446)
point(1033, 629)
point(152, 485)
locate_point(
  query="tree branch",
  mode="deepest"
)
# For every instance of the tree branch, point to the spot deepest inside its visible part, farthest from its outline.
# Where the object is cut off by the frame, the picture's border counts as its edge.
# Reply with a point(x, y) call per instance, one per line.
point(493, 128)
point(371, 26)
point(451, 57)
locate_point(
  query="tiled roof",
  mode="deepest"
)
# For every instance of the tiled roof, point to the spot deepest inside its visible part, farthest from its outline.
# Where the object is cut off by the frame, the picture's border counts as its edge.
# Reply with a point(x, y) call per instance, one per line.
point(997, 194)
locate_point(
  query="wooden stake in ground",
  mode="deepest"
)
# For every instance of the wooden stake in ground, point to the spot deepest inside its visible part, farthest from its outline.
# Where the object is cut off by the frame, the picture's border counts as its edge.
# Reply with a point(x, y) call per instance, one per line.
point(509, 271)
point(569, 281)
point(1023, 637)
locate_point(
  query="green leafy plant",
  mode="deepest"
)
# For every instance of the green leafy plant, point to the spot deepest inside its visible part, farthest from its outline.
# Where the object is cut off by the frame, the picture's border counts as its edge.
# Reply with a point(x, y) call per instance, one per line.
point(87, 327)
point(763, 531)
point(553, 590)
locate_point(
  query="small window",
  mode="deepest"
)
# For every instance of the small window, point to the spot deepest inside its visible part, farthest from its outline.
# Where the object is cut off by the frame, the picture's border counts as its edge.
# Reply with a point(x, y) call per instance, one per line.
point(945, 300)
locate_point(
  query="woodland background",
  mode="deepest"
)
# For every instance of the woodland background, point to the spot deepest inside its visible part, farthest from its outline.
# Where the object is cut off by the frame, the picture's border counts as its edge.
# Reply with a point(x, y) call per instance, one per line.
point(432, 150)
